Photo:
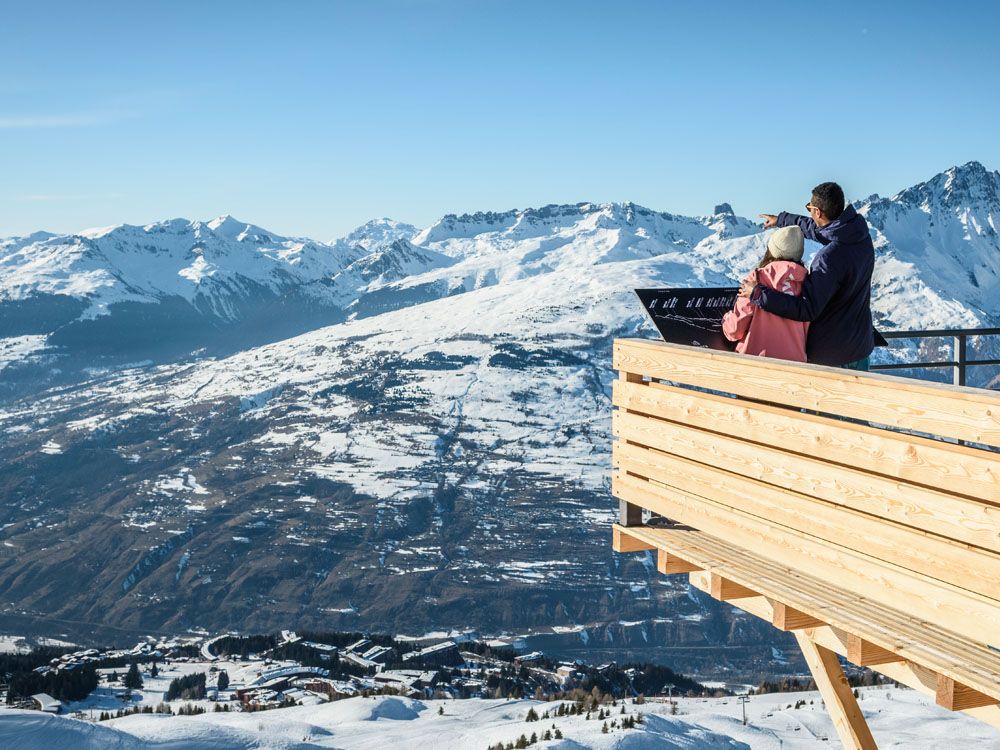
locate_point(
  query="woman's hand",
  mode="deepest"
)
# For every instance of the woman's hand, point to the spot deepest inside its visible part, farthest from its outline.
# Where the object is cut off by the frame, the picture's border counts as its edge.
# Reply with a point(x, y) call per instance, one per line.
point(770, 220)
point(747, 287)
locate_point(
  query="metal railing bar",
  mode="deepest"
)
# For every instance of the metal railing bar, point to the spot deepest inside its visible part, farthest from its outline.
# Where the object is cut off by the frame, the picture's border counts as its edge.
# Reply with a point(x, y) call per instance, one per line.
point(938, 333)
point(916, 365)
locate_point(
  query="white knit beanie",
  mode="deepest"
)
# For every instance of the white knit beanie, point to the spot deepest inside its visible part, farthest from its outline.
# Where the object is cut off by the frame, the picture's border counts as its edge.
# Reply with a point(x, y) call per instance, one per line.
point(786, 243)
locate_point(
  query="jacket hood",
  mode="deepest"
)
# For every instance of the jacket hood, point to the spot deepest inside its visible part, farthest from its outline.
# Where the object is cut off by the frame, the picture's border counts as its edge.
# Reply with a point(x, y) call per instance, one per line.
point(850, 227)
point(780, 274)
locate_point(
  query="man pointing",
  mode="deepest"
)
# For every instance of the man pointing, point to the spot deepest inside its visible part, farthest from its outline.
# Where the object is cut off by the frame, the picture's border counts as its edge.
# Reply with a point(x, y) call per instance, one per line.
point(836, 296)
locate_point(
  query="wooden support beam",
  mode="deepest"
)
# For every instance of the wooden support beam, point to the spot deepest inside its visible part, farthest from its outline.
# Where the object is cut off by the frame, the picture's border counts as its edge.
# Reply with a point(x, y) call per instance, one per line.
point(671, 564)
point(724, 589)
point(865, 654)
point(840, 701)
point(621, 542)
point(957, 697)
point(629, 514)
point(789, 618)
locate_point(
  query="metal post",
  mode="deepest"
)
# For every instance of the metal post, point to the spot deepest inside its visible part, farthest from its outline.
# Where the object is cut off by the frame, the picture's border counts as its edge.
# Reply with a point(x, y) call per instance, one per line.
point(629, 514)
point(959, 374)
point(743, 702)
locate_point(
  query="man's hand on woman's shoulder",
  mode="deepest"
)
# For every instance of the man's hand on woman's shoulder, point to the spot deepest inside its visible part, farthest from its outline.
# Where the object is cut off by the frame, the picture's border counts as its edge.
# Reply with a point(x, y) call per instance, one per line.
point(770, 220)
point(747, 287)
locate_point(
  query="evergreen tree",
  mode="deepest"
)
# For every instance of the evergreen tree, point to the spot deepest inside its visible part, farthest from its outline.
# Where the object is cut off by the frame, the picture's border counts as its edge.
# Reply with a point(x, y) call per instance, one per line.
point(223, 681)
point(154, 670)
point(133, 680)
point(557, 735)
point(604, 728)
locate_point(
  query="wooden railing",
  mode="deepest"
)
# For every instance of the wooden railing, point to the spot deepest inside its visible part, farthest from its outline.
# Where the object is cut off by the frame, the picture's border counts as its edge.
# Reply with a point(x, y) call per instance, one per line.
point(960, 361)
point(857, 510)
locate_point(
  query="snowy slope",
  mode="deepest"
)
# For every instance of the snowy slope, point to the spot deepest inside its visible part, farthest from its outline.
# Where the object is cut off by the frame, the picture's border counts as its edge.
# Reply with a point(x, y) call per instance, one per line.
point(897, 718)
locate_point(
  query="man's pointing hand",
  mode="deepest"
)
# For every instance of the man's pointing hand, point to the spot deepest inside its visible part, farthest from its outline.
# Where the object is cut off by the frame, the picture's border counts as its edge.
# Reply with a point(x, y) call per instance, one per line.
point(770, 220)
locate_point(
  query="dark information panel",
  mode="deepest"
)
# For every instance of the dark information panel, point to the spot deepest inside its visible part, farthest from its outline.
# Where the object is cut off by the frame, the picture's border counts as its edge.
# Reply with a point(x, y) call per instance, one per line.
point(690, 316)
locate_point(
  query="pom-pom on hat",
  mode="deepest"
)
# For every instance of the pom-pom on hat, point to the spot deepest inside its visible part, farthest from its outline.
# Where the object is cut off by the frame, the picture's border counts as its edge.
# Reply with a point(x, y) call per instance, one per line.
point(787, 243)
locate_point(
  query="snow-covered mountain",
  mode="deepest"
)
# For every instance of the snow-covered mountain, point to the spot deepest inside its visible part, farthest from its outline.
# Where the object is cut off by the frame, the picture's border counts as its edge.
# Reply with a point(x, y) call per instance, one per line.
point(938, 249)
point(436, 457)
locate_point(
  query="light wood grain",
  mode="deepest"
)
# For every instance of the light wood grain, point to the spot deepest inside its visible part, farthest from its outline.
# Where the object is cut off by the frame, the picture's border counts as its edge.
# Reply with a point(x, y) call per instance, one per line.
point(934, 556)
point(962, 519)
point(840, 701)
point(789, 618)
point(865, 653)
point(958, 610)
point(624, 543)
point(671, 564)
point(970, 414)
point(957, 468)
point(955, 697)
point(928, 647)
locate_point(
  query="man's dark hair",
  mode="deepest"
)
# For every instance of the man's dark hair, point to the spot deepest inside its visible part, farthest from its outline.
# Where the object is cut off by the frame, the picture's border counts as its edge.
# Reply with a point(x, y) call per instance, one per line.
point(828, 197)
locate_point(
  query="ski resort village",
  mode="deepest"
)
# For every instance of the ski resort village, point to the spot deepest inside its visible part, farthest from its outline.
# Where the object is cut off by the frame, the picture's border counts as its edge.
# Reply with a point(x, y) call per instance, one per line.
point(287, 691)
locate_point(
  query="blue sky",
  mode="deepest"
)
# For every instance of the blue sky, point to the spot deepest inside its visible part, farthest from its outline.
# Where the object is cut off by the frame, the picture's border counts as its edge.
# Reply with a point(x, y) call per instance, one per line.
point(310, 118)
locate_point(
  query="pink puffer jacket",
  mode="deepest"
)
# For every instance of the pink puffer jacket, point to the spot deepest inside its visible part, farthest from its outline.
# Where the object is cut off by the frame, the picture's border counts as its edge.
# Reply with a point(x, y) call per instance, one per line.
point(762, 333)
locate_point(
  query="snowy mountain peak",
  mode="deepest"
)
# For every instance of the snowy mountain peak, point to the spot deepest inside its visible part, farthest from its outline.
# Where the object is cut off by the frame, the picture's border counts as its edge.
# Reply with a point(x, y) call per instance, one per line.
point(233, 229)
point(964, 186)
point(379, 232)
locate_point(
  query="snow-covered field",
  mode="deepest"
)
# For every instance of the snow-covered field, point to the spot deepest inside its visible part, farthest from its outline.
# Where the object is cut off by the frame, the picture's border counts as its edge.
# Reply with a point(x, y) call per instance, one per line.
point(898, 718)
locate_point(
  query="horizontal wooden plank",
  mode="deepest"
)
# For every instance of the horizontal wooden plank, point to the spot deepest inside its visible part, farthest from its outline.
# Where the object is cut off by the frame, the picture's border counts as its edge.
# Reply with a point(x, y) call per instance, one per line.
point(962, 519)
point(967, 567)
point(927, 648)
point(955, 468)
point(970, 414)
point(961, 611)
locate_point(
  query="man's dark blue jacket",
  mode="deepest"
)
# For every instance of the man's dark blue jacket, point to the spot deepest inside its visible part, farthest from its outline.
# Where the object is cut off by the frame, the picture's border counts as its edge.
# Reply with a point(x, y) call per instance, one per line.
point(836, 297)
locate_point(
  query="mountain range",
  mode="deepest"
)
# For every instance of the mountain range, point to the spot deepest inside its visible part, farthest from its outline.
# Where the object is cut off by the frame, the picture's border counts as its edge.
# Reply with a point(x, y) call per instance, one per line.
point(206, 425)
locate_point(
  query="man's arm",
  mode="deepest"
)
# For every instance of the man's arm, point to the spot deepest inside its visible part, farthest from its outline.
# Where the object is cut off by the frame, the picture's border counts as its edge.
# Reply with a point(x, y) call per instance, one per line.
point(785, 219)
point(817, 290)
point(806, 224)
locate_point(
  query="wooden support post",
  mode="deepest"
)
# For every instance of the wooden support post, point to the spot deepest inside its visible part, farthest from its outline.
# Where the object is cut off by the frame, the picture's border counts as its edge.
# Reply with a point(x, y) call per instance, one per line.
point(670, 565)
point(788, 618)
point(840, 702)
point(629, 514)
point(957, 697)
point(864, 654)
point(621, 542)
point(724, 589)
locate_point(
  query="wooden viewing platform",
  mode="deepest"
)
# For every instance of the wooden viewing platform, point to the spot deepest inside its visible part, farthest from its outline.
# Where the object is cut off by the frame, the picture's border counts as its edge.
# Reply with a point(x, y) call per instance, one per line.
point(859, 511)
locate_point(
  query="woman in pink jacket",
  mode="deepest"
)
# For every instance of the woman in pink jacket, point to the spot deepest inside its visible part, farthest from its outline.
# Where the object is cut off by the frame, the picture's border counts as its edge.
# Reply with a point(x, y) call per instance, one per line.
point(759, 332)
